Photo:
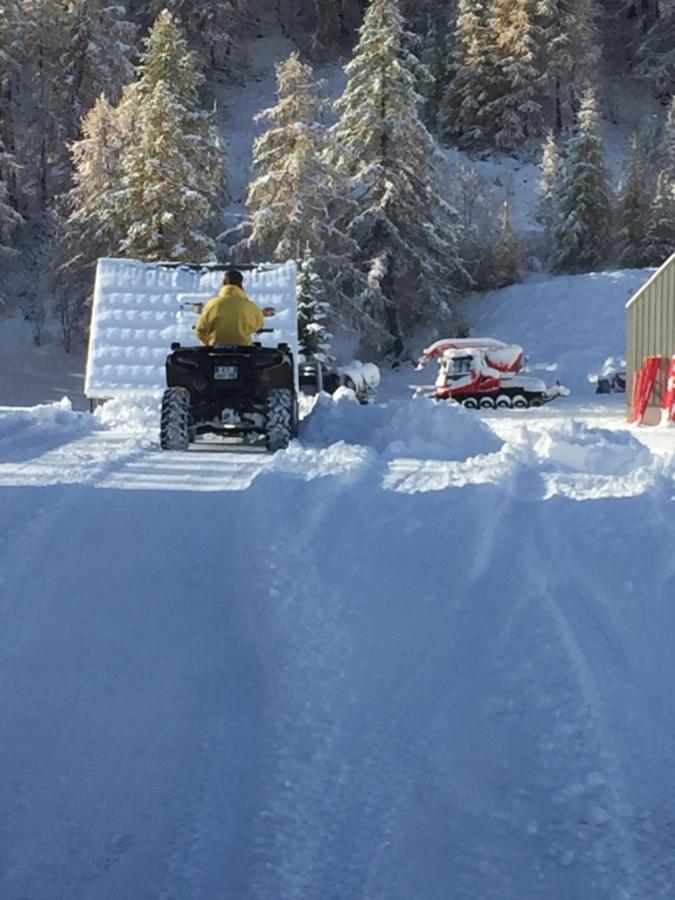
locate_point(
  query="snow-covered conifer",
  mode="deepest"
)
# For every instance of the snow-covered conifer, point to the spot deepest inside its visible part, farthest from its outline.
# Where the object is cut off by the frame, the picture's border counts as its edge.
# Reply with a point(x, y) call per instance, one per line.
point(97, 58)
point(10, 44)
point(666, 148)
point(94, 219)
point(313, 310)
point(297, 199)
point(174, 171)
point(289, 194)
point(583, 226)
point(660, 238)
point(549, 182)
point(569, 53)
point(209, 25)
point(434, 59)
point(463, 108)
point(42, 146)
point(9, 217)
point(655, 57)
point(407, 240)
point(514, 108)
point(508, 251)
point(634, 207)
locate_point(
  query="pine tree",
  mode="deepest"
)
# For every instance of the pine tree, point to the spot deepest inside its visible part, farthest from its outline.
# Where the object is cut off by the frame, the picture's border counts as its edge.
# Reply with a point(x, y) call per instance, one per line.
point(10, 49)
point(433, 56)
point(634, 207)
point(9, 217)
point(313, 310)
point(549, 179)
point(289, 195)
point(41, 144)
point(94, 224)
point(174, 172)
point(585, 201)
point(209, 25)
point(508, 250)
point(655, 59)
point(297, 199)
point(666, 148)
point(463, 108)
point(569, 53)
point(408, 247)
point(660, 238)
point(97, 57)
point(515, 111)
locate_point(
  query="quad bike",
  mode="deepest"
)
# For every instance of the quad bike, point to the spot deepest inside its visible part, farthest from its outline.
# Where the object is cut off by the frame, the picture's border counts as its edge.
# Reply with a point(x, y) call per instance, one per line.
point(230, 391)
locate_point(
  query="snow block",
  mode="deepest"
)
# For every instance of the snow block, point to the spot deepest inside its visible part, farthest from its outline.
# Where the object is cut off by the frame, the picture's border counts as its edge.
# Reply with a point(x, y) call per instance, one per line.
point(140, 309)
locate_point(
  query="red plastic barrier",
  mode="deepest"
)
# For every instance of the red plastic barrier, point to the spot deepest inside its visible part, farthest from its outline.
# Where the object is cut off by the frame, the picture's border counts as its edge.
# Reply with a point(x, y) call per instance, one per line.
point(669, 395)
point(643, 387)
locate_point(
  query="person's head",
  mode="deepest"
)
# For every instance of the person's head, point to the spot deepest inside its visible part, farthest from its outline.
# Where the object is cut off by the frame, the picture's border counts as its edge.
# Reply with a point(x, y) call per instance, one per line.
point(234, 277)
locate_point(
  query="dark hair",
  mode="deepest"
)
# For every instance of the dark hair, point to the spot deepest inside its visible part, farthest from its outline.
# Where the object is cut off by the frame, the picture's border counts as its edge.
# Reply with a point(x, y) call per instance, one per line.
point(234, 277)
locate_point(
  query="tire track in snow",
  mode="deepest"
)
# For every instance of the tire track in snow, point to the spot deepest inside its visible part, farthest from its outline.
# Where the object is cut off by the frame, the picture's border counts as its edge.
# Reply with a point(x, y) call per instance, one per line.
point(623, 865)
point(197, 829)
point(350, 781)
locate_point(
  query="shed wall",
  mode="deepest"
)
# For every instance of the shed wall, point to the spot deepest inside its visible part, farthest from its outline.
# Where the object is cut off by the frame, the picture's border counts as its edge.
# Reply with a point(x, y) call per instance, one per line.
point(651, 331)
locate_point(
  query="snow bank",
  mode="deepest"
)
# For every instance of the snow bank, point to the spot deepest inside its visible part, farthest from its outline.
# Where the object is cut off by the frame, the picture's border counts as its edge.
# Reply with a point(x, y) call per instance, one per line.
point(416, 427)
point(35, 426)
point(139, 413)
point(573, 445)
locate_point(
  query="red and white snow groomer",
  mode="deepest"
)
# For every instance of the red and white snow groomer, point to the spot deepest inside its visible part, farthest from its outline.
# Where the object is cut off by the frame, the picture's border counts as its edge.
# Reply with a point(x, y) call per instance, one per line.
point(485, 373)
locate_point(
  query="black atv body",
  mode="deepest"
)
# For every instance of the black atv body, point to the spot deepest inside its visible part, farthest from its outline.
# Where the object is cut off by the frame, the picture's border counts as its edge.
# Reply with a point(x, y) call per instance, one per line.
point(231, 391)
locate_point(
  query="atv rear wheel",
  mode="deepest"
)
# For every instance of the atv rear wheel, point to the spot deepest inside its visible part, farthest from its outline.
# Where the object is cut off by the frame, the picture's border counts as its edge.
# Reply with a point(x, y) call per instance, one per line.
point(174, 429)
point(279, 419)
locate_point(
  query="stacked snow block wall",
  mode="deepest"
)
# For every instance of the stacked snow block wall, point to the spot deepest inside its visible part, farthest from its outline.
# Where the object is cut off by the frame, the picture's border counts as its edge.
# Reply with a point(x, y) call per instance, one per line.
point(141, 308)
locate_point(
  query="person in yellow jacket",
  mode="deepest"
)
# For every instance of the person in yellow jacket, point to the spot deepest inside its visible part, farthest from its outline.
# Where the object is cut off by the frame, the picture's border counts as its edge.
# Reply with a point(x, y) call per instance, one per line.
point(231, 318)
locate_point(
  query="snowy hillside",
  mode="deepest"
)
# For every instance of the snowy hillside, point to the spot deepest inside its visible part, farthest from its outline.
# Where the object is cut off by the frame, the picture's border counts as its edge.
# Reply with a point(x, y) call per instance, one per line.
point(568, 325)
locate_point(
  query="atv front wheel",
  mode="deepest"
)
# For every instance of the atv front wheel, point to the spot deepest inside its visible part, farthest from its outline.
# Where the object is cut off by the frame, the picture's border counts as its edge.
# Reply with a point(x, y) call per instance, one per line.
point(279, 419)
point(174, 432)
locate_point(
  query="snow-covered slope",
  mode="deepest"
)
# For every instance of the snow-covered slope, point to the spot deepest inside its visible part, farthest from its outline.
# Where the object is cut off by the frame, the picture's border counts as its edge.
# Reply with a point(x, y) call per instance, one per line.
point(568, 325)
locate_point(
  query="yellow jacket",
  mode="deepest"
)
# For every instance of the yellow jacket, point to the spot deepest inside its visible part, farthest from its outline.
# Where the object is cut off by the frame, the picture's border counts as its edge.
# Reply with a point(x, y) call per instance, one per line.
point(229, 318)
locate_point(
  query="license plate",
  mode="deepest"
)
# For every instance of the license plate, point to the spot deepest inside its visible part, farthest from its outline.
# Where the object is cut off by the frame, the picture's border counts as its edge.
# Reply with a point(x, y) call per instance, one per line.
point(227, 373)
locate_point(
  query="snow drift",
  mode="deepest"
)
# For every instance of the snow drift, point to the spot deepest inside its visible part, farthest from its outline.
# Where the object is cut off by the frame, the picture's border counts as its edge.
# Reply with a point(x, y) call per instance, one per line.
point(36, 429)
point(575, 446)
point(416, 427)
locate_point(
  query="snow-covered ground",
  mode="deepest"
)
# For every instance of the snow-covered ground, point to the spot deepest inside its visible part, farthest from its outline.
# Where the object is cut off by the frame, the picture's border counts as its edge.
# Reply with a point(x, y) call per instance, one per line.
point(423, 653)
point(419, 654)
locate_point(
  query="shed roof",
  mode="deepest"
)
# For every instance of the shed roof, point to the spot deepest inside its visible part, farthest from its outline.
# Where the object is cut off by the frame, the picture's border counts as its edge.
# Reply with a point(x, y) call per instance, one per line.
point(636, 296)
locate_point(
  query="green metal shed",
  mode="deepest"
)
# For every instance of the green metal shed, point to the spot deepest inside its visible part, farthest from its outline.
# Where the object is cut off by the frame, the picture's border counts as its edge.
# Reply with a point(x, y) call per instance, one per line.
point(651, 332)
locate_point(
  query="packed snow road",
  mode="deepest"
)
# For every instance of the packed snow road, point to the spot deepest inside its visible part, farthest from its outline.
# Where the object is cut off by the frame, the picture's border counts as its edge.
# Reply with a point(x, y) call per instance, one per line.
point(413, 657)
